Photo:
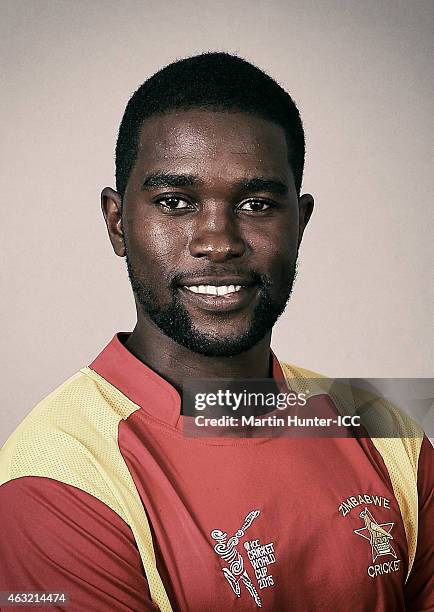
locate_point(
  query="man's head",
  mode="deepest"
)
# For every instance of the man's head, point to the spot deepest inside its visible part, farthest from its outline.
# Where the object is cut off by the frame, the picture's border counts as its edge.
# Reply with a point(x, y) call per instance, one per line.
point(209, 163)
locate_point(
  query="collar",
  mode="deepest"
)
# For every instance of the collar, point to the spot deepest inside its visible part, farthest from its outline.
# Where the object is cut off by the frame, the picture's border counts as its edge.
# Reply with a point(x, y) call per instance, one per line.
point(142, 385)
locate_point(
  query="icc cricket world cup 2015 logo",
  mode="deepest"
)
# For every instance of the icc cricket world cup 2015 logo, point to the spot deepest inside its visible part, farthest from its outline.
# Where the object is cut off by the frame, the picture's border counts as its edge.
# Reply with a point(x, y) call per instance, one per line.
point(236, 574)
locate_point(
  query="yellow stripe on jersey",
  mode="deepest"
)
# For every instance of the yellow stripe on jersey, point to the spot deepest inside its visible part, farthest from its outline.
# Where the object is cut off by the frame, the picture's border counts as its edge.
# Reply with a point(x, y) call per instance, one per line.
point(72, 437)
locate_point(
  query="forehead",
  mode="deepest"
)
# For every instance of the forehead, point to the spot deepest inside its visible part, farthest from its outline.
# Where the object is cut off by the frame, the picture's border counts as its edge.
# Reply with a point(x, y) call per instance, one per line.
point(212, 143)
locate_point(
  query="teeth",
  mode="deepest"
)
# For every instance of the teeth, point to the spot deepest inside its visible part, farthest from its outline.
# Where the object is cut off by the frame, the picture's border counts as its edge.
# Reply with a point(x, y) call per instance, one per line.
point(213, 289)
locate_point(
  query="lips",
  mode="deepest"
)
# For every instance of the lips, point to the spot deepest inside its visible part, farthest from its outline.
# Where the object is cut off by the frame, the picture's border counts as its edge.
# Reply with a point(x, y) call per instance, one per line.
point(218, 280)
point(219, 290)
point(219, 294)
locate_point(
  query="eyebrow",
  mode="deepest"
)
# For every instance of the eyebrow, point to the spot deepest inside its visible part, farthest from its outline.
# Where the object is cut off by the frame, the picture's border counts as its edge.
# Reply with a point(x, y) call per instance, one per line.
point(163, 179)
point(262, 184)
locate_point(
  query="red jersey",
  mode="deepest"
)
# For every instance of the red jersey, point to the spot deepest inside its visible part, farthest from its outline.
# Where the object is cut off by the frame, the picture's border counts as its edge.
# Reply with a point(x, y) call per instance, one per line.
point(103, 497)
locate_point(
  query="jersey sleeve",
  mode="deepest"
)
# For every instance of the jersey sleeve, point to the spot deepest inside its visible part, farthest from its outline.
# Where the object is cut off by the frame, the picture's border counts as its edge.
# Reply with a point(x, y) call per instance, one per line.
point(419, 590)
point(55, 537)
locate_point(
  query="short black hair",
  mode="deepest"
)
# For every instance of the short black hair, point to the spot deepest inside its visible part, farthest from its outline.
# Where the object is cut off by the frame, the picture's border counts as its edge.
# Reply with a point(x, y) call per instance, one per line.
point(214, 81)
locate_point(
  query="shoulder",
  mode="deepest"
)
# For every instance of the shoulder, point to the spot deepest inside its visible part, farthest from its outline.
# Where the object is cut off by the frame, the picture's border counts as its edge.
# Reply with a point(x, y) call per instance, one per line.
point(396, 436)
point(397, 439)
point(379, 416)
point(71, 437)
point(62, 471)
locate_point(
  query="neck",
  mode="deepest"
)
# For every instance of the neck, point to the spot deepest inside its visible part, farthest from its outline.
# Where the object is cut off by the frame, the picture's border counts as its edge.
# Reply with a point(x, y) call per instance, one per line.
point(175, 362)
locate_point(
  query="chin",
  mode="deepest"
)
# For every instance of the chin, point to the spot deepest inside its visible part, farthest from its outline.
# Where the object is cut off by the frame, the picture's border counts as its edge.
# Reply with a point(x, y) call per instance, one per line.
point(219, 347)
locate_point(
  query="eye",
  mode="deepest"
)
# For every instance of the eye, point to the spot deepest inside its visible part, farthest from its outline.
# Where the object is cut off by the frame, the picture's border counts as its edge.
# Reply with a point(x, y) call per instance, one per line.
point(172, 203)
point(254, 206)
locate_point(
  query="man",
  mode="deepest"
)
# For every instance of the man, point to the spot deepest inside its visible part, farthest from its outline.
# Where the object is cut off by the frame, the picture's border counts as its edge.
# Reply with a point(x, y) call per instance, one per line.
point(104, 497)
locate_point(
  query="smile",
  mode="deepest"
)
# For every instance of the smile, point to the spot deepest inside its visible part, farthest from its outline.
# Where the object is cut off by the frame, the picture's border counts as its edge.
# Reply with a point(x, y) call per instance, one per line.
point(214, 289)
point(220, 298)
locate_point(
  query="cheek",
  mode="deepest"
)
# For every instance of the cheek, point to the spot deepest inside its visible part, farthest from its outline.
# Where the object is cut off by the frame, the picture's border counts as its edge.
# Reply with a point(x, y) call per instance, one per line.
point(282, 265)
point(154, 247)
point(280, 256)
point(276, 249)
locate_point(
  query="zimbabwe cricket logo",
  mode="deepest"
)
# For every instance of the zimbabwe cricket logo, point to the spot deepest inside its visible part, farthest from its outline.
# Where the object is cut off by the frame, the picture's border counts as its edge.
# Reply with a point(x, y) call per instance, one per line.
point(378, 535)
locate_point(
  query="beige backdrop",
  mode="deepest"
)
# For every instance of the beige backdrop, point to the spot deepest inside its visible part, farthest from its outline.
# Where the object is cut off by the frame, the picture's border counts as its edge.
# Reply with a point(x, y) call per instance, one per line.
point(360, 72)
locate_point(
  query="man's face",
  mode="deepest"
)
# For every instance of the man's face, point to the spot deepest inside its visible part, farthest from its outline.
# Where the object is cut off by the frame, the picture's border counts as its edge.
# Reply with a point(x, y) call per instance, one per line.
point(212, 226)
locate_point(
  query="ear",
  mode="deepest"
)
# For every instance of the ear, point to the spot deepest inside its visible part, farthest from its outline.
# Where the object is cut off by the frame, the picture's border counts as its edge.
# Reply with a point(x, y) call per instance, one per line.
point(111, 204)
point(305, 207)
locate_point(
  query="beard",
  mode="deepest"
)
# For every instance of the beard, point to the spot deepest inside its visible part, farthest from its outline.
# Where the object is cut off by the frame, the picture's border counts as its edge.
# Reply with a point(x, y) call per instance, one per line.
point(175, 322)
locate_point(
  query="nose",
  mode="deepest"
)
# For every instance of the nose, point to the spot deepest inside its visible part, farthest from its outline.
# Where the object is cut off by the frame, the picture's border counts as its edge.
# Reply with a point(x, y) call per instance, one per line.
point(216, 235)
